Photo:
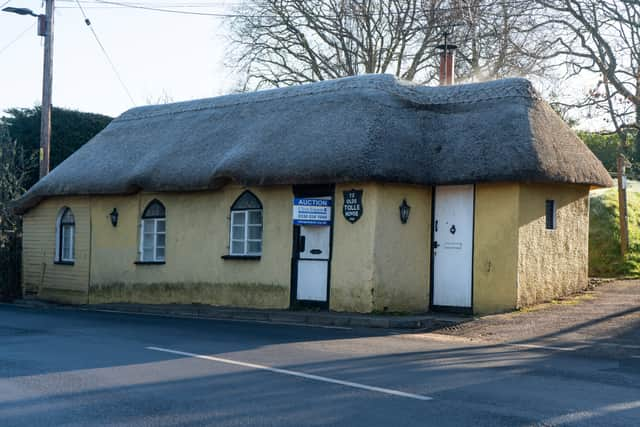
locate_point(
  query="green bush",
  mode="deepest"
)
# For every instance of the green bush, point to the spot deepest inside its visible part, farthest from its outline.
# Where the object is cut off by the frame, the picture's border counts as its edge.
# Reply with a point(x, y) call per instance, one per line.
point(604, 235)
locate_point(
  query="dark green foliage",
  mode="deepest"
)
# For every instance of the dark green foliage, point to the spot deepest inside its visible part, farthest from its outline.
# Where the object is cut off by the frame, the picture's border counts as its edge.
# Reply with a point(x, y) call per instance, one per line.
point(605, 147)
point(13, 166)
point(604, 236)
point(70, 129)
point(19, 147)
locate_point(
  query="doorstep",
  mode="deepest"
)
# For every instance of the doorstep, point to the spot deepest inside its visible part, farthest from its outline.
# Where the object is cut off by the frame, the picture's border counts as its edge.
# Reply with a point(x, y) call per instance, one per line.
point(424, 321)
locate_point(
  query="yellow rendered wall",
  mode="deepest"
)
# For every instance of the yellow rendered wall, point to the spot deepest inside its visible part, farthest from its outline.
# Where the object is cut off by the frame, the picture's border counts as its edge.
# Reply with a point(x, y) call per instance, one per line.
point(197, 237)
point(352, 264)
point(495, 254)
point(402, 251)
point(552, 263)
point(63, 283)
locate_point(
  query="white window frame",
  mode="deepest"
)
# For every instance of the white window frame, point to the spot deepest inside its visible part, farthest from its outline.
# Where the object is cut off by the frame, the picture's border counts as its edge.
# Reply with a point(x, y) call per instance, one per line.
point(245, 240)
point(155, 234)
point(61, 240)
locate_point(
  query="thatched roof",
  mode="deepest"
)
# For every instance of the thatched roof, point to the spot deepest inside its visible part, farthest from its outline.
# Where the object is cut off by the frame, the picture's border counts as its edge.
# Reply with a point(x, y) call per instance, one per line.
point(366, 128)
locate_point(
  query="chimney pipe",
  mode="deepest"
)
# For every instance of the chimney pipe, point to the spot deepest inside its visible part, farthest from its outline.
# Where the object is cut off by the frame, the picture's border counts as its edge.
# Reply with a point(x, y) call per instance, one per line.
point(447, 62)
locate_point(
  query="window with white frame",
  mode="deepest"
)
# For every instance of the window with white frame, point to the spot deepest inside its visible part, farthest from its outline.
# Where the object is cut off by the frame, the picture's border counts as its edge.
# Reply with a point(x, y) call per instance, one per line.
point(65, 236)
point(153, 233)
point(246, 226)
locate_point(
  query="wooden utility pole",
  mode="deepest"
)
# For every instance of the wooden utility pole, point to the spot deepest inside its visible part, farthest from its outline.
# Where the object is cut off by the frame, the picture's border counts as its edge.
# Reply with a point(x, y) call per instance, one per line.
point(622, 204)
point(47, 80)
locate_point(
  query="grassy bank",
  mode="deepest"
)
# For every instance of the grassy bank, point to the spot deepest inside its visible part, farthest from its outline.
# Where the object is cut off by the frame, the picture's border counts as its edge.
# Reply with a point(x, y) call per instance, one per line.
point(604, 235)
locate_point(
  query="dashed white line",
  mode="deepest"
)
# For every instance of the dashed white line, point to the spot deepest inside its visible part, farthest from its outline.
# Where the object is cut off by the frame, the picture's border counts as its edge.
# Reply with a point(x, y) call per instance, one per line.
point(294, 374)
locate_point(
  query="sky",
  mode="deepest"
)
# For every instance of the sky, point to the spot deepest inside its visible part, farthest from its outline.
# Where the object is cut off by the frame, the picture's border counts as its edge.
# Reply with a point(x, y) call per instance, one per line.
point(158, 55)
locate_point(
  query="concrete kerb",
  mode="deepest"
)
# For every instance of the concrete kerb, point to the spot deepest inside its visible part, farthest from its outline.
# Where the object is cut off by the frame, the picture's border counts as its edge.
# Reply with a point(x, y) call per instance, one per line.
point(410, 322)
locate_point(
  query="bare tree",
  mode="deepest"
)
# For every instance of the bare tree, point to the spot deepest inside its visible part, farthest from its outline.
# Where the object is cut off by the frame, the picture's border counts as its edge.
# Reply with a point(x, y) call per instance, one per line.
point(285, 42)
point(499, 39)
point(603, 37)
point(15, 167)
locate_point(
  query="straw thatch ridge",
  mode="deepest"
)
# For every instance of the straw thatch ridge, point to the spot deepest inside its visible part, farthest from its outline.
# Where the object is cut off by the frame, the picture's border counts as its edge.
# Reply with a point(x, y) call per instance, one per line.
point(365, 128)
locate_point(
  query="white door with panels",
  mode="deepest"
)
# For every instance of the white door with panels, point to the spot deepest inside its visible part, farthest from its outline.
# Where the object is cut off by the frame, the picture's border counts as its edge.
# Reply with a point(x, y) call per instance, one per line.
point(313, 263)
point(453, 246)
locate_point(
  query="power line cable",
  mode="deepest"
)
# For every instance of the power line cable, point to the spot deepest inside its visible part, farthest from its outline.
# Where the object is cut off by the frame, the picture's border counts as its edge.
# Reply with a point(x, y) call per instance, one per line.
point(113, 67)
point(18, 37)
point(151, 7)
point(180, 12)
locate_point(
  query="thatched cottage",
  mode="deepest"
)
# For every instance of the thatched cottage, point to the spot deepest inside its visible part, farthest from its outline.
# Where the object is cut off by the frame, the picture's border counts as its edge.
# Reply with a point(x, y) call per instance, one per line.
point(360, 194)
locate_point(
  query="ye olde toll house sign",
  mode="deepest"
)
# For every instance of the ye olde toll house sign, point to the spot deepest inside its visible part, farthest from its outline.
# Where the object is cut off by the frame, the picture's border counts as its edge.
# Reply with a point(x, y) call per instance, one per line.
point(352, 208)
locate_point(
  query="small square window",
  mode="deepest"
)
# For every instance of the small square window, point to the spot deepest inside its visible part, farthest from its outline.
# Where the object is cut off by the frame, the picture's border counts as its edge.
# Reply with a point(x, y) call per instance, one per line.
point(550, 212)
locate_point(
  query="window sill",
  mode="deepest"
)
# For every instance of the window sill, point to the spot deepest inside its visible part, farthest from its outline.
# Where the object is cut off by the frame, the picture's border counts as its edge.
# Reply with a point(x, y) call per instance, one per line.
point(150, 262)
point(64, 262)
point(243, 257)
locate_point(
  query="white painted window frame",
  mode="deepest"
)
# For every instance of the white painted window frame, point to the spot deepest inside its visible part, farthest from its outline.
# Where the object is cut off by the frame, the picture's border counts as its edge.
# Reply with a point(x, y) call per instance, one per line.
point(245, 240)
point(155, 233)
point(60, 238)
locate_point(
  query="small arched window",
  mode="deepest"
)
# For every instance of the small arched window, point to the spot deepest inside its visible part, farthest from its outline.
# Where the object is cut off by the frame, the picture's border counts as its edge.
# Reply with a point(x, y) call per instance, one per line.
point(246, 226)
point(65, 236)
point(152, 233)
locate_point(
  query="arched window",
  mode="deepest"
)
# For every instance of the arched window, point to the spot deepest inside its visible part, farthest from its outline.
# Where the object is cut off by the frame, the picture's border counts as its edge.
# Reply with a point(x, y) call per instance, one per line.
point(65, 236)
point(152, 233)
point(246, 226)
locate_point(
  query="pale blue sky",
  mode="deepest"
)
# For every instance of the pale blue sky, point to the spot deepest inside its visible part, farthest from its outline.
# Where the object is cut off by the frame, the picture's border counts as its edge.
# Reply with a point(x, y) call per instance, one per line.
point(155, 53)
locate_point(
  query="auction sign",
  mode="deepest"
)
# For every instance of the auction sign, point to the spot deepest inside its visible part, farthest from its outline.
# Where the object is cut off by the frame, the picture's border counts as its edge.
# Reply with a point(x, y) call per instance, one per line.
point(311, 211)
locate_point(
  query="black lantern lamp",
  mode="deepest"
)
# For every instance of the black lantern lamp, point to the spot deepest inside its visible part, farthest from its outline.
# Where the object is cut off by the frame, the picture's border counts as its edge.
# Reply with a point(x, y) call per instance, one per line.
point(404, 211)
point(114, 217)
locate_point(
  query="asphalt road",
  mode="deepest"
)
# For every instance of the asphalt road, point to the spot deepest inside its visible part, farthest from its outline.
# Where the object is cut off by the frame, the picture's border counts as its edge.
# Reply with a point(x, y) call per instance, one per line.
point(68, 368)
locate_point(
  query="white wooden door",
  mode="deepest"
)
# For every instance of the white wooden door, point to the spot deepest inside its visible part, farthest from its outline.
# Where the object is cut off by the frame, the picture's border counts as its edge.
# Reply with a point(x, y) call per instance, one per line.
point(453, 246)
point(313, 263)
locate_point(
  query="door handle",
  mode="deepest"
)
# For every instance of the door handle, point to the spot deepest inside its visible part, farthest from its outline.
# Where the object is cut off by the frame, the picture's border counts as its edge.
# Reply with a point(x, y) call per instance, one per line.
point(436, 226)
point(315, 251)
point(435, 245)
point(301, 243)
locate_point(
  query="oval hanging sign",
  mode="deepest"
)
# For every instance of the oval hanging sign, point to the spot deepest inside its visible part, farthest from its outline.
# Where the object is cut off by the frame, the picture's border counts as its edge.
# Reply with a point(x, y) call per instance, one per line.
point(352, 207)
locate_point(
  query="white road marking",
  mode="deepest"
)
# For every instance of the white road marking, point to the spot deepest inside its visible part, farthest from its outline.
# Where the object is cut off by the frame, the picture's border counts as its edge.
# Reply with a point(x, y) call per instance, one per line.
point(544, 347)
point(294, 374)
point(601, 412)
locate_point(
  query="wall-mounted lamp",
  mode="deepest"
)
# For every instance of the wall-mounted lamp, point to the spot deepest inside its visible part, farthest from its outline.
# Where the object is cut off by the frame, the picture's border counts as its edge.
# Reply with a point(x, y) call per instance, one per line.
point(404, 211)
point(114, 217)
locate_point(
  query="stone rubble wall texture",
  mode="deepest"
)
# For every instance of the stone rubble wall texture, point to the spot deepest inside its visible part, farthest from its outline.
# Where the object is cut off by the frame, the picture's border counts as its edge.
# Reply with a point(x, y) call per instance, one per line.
point(402, 251)
point(378, 264)
point(495, 255)
point(552, 263)
point(352, 260)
